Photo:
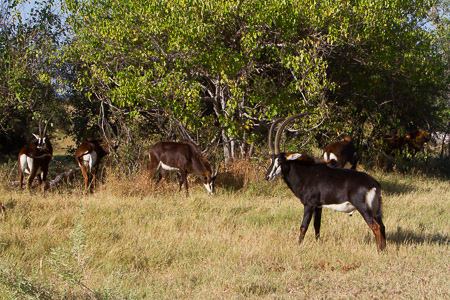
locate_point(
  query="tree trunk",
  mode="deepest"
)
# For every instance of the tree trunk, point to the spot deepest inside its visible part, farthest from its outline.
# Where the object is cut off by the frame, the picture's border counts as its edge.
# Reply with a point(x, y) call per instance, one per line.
point(226, 147)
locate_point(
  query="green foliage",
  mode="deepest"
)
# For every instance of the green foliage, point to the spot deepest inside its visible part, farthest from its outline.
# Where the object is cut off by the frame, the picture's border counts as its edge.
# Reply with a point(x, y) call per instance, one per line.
point(440, 20)
point(18, 286)
point(27, 71)
point(69, 264)
point(236, 64)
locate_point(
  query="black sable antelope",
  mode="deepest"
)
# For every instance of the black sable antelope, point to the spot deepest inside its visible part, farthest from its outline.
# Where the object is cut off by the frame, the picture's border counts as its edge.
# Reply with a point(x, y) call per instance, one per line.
point(182, 157)
point(88, 157)
point(340, 153)
point(35, 157)
point(318, 185)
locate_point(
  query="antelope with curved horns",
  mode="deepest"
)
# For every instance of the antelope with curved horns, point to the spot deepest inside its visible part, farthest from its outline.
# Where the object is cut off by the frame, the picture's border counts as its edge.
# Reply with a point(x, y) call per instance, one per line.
point(88, 157)
point(182, 157)
point(318, 185)
point(35, 157)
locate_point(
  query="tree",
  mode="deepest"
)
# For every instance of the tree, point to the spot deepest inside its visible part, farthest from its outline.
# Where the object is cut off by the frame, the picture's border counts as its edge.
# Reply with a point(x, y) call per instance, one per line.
point(227, 68)
point(440, 20)
point(27, 49)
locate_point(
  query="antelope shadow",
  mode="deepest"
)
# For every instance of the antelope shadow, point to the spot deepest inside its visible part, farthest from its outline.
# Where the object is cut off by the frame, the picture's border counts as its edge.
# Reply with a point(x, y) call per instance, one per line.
point(396, 188)
point(230, 181)
point(405, 236)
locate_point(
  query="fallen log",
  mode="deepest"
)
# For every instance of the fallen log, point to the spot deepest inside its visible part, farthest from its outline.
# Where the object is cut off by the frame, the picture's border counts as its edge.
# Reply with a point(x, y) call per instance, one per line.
point(68, 174)
point(52, 183)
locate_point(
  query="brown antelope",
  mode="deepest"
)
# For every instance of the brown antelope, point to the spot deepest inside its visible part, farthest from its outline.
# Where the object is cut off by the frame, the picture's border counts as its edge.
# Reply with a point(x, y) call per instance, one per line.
point(88, 157)
point(340, 153)
point(35, 157)
point(182, 157)
point(318, 185)
point(414, 140)
point(417, 139)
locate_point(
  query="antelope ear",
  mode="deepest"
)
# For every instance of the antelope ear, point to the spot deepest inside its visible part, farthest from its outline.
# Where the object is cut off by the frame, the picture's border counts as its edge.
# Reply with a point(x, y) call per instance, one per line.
point(294, 156)
point(35, 135)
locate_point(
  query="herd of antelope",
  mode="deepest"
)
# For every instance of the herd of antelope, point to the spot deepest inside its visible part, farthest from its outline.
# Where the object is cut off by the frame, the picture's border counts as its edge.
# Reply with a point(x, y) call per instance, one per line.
point(318, 183)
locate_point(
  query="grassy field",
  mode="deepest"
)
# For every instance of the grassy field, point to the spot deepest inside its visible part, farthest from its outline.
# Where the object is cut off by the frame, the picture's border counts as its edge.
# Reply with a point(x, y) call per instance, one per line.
point(124, 242)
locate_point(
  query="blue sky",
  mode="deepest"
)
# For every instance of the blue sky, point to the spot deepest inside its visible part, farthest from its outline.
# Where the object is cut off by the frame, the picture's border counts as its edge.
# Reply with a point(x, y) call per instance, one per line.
point(26, 7)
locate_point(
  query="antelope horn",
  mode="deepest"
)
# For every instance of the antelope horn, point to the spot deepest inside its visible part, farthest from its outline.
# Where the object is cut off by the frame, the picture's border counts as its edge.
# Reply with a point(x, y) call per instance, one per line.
point(280, 130)
point(40, 127)
point(45, 128)
point(271, 131)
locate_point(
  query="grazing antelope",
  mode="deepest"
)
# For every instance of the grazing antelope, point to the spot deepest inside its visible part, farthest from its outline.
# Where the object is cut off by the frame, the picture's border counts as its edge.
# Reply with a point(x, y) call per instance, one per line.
point(318, 185)
point(414, 140)
point(340, 153)
point(393, 143)
point(417, 139)
point(88, 157)
point(35, 157)
point(182, 157)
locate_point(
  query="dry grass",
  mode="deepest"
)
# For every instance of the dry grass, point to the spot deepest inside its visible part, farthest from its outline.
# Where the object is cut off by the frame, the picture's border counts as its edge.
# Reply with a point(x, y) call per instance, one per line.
point(124, 242)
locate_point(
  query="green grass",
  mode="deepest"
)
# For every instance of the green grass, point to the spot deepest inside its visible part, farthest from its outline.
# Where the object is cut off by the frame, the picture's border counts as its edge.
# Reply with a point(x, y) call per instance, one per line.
point(125, 242)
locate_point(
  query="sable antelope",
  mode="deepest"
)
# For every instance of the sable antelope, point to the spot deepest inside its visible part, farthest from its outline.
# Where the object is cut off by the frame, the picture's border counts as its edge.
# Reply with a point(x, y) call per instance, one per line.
point(340, 153)
point(318, 185)
point(35, 157)
point(182, 157)
point(393, 143)
point(417, 139)
point(88, 157)
point(414, 140)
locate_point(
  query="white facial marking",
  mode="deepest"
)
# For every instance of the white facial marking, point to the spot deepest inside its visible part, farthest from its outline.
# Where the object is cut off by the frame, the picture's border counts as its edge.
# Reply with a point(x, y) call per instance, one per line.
point(325, 157)
point(208, 187)
point(275, 171)
point(346, 207)
point(276, 168)
point(166, 167)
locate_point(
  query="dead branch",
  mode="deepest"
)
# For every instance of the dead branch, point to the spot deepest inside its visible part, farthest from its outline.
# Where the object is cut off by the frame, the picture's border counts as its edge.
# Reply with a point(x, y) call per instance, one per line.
point(52, 183)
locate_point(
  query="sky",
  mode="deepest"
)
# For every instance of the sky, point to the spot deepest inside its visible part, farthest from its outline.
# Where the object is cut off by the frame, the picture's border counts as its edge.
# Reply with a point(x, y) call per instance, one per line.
point(26, 7)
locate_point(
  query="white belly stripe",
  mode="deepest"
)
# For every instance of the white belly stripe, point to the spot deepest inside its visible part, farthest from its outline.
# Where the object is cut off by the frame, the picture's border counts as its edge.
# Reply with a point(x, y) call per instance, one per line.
point(166, 167)
point(346, 207)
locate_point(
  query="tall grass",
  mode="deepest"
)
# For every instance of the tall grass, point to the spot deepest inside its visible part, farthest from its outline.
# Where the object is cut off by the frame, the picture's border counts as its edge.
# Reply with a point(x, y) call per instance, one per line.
point(126, 242)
